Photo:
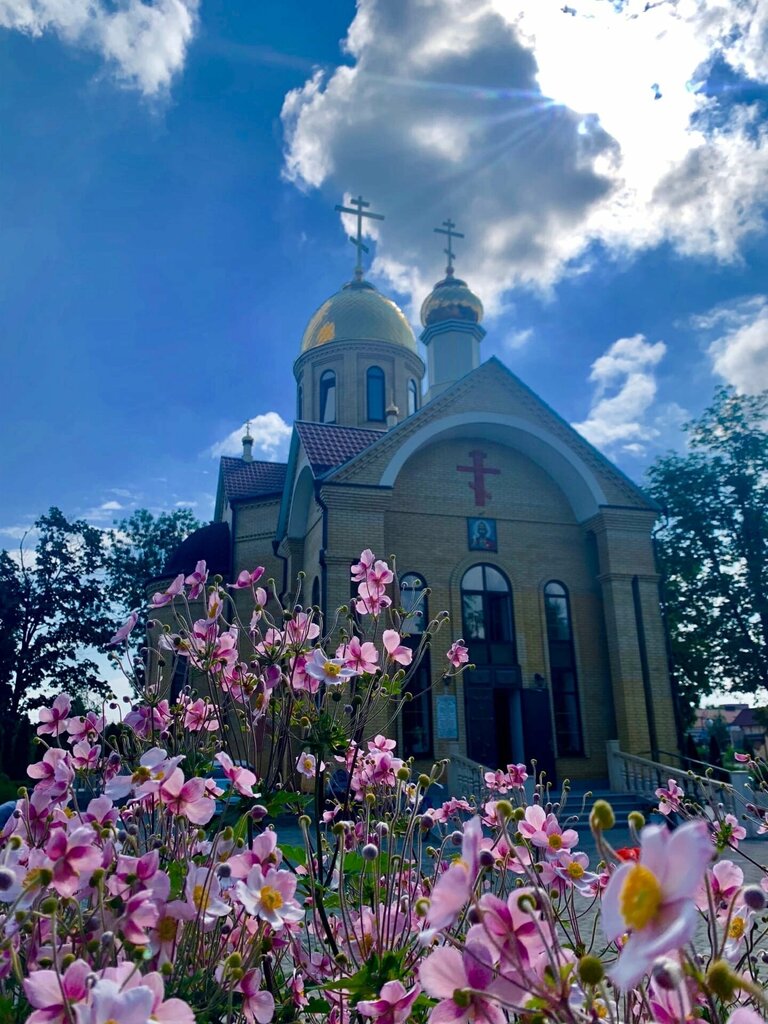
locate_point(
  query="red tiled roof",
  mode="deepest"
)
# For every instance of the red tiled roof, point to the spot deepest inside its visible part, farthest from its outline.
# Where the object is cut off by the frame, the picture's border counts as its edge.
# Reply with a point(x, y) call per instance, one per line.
point(251, 479)
point(328, 444)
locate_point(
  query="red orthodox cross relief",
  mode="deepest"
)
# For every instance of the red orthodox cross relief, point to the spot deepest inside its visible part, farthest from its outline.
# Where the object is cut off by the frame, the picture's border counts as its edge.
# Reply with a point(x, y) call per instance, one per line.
point(479, 471)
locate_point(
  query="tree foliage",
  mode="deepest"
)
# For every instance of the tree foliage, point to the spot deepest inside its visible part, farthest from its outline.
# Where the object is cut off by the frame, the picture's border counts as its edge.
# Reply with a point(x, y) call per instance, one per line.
point(139, 550)
point(53, 611)
point(713, 547)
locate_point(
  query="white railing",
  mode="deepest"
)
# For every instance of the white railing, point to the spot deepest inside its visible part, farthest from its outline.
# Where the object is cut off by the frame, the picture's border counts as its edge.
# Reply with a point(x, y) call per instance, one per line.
point(630, 773)
point(466, 778)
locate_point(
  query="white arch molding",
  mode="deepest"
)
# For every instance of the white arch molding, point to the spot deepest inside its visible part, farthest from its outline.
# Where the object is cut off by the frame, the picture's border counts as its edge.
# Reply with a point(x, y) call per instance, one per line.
point(573, 476)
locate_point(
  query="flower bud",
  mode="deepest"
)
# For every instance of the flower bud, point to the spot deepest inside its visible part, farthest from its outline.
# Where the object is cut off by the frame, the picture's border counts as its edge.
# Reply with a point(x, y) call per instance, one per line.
point(754, 897)
point(106, 939)
point(370, 851)
point(48, 906)
point(424, 781)
point(590, 970)
point(519, 814)
point(486, 858)
point(370, 799)
point(403, 774)
point(504, 810)
point(304, 821)
point(457, 838)
point(602, 816)
point(7, 878)
point(382, 829)
point(421, 907)
point(667, 974)
point(259, 812)
point(224, 871)
point(636, 820)
point(722, 980)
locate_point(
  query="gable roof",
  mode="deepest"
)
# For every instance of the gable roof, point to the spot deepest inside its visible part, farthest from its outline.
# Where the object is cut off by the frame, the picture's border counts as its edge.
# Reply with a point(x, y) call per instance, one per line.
point(328, 445)
point(591, 455)
point(242, 480)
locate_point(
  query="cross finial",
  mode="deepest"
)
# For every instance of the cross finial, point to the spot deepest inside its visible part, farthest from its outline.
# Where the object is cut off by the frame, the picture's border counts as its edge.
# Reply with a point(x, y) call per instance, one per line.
point(248, 428)
point(358, 208)
point(447, 229)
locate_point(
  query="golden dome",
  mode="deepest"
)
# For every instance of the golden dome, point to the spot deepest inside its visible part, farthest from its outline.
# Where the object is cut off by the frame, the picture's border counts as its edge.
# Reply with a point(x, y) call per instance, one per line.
point(451, 299)
point(358, 313)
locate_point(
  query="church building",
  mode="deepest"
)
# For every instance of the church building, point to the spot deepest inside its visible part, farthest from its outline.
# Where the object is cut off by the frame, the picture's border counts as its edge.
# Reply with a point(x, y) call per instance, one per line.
point(537, 546)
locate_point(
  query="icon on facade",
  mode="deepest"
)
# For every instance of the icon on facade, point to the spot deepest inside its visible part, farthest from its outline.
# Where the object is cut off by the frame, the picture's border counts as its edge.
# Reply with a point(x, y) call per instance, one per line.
point(482, 534)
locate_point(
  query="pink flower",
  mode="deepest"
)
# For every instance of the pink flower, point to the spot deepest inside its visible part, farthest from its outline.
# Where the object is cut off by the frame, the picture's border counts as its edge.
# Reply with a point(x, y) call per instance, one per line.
point(111, 1005)
point(200, 715)
point(258, 1004)
point(55, 772)
point(187, 798)
point(306, 764)
point(270, 896)
point(741, 758)
point(301, 629)
point(48, 995)
point(145, 720)
point(371, 600)
point(331, 671)
point(729, 832)
point(162, 598)
point(360, 569)
point(140, 915)
point(464, 983)
point(53, 719)
point(725, 880)
point(454, 887)
point(203, 891)
point(126, 629)
point(511, 929)
point(360, 657)
point(653, 899)
point(393, 1005)
point(248, 579)
point(741, 1015)
point(669, 798)
point(73, 855)
point(544, 831)
point(458, 654)
point(397, 651)
point(84, 756)
point(196, 581)
point(80, 726)
point(243, 779)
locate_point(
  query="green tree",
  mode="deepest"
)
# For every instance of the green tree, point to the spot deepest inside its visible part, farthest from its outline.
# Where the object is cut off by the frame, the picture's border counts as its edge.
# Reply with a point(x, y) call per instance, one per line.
point(53, 613)
point(713, 548)
point(139, 550)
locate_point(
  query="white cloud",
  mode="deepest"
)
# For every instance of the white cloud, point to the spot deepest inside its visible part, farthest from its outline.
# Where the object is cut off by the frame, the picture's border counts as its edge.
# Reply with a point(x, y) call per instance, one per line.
point(444, 111)
point(517, 339)
point(625, 391)
point(19, 532)
point(144, 43)
point(739, 352)
point(270, 434)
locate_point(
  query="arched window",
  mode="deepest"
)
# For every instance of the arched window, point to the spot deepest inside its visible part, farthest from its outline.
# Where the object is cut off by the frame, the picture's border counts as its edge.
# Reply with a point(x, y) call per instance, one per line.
point(299, 402)
point(562, 666)
point(413, 397)
point(316, 592)
point(374, 382)
point(486, 605)
point(416, 715)
point(328, 397)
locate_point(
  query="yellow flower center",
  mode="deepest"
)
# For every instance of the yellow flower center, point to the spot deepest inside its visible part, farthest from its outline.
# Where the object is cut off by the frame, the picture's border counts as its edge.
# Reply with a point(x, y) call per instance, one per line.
point(166, 929)
point(555, 841)
point(737, 928)
point(270, 898)
point(200, 897)
point(331, 670)
point(575, 870)
point(142, 774)
point(308, 765)
point(640, 897)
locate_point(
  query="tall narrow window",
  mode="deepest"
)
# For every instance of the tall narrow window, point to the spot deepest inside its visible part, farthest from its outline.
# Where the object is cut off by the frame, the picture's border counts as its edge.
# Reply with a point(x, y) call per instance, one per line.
point(316, 592)
point(486, 604)
point(562, 665)
point(328, 397)
point(417, 712)
point(299, 402)
point(374, 380)
point(413, 397)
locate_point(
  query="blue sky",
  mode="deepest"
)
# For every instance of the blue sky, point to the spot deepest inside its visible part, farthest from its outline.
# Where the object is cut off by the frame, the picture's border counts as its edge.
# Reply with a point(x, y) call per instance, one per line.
point(167, 183)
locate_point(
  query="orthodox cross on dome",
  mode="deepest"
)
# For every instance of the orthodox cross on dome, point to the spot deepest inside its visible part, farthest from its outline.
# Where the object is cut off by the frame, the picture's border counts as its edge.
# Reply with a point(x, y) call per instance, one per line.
point(447, 229)
point(357, 207)
point(479, 472)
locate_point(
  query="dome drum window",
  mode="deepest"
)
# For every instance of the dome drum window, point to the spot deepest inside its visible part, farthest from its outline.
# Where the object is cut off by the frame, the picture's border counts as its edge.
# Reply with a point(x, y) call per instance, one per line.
point(374, 394)
point(328, 397)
